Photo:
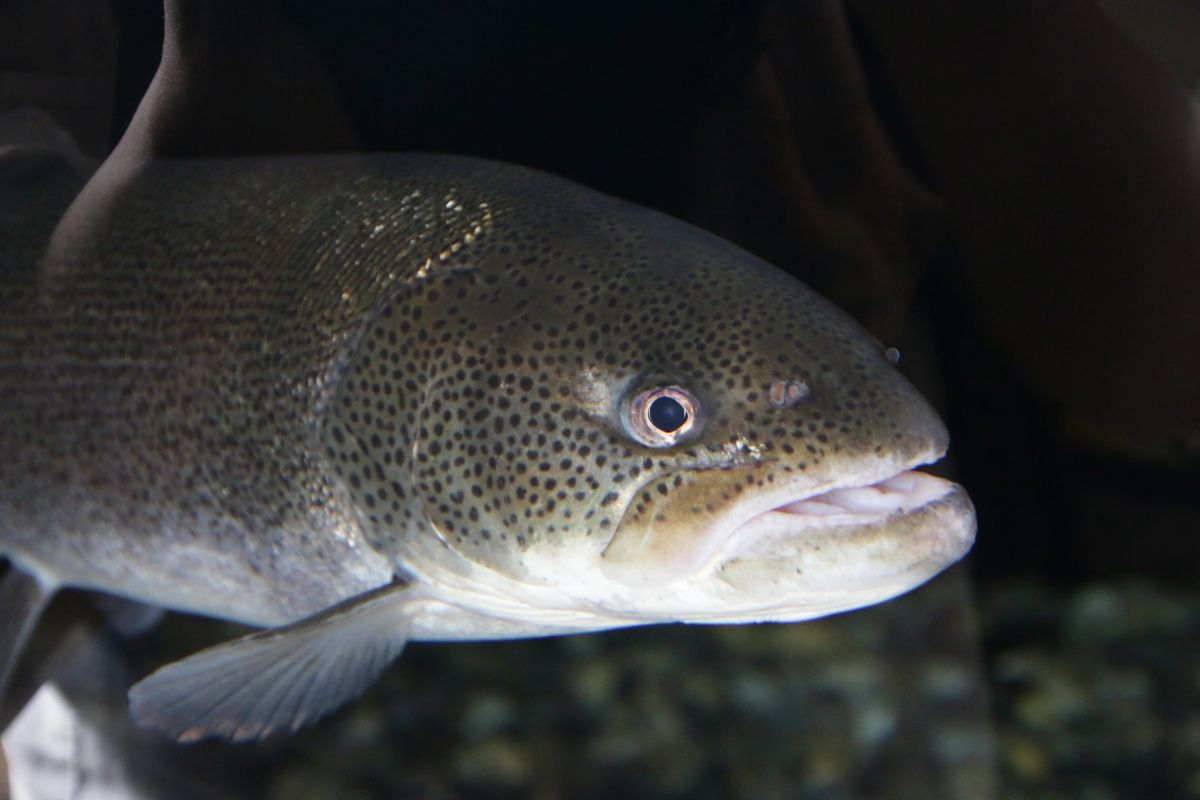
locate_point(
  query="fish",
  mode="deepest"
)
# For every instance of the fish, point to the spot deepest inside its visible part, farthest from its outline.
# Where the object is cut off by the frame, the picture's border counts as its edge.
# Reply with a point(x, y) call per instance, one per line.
point(360, 400)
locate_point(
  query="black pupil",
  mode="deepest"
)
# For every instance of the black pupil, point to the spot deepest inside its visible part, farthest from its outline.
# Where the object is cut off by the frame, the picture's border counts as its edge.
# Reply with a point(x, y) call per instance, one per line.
point(667, 414)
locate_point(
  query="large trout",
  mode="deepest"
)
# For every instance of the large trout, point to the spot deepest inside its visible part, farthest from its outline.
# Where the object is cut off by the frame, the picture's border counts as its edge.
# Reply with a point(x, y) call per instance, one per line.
point(360, 400)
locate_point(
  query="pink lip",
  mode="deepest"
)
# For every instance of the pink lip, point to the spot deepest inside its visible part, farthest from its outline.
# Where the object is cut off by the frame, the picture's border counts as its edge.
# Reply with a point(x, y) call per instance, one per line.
point(847, 507)
point(859, 505)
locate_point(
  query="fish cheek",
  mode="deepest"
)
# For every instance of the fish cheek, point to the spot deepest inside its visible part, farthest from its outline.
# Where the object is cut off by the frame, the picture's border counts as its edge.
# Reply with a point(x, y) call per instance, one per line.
point(668, 529)
point(528, 499)
point(512, 476)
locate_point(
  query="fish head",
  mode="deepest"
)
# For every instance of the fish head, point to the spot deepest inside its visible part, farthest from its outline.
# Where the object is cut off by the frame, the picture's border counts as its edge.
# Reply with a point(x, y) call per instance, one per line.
point(619, 405)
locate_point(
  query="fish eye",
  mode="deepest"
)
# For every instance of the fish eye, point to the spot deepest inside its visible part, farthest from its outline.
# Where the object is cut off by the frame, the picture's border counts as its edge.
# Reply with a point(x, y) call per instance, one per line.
point(660, 417)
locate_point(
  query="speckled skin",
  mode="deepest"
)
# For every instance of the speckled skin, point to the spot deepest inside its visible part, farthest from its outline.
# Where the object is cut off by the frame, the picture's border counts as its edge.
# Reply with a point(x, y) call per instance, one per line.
point(264, 386)
point(161, 398)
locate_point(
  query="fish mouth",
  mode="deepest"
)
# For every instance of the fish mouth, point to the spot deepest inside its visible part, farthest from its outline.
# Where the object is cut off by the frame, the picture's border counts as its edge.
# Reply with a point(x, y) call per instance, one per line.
point(848, 546)
point(897, 495)
point(884, 516)
point(871, 505)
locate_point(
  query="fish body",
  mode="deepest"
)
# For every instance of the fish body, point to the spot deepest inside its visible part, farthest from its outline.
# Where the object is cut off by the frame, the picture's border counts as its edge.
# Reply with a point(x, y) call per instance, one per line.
point(378, 398)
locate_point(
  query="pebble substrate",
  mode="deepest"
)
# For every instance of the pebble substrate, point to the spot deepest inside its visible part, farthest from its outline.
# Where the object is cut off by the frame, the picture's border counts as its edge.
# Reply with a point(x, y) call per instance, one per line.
point(1016, 692)
point(1093, 694)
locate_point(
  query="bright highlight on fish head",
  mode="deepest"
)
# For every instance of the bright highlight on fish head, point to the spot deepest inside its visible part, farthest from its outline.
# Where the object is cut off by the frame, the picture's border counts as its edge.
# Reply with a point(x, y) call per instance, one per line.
point(647, 419)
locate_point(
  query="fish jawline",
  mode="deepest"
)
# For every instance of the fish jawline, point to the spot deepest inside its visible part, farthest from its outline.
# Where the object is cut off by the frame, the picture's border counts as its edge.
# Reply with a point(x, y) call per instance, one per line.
point(475, 602)
point(929, 537)
point(903, 529)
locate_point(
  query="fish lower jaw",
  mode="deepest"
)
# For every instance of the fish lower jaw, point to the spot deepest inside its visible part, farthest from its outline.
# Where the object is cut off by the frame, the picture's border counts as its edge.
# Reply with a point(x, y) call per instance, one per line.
point(876, 530)
point(842, 567)
point(833, 550)
point(682, 541)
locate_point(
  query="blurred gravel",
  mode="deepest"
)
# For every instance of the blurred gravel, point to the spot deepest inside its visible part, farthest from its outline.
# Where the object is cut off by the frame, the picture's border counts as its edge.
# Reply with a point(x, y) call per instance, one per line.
point(1096, 691)
point(1091, 694)
point(1088, 694)
point(882, 703)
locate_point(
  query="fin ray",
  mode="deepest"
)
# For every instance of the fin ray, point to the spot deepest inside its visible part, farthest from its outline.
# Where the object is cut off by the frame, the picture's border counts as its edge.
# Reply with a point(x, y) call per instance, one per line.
point(277, 679)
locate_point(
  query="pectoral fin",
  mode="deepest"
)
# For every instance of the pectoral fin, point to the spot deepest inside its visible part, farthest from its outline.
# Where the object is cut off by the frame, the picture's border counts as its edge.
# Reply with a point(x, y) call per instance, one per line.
point(277, 679)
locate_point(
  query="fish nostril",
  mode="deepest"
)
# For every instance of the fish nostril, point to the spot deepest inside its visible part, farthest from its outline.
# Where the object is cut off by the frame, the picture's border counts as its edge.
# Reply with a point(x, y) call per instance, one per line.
point(785, 394)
